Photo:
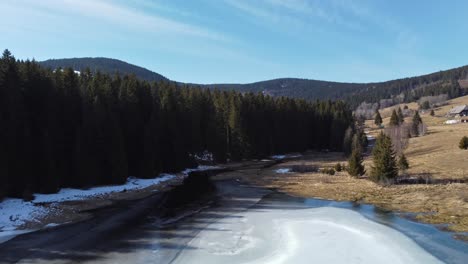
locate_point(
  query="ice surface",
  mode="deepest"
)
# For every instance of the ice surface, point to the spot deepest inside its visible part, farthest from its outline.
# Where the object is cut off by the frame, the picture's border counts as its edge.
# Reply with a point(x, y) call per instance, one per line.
point(283, 170)
point(315, 235)
point(279, 157)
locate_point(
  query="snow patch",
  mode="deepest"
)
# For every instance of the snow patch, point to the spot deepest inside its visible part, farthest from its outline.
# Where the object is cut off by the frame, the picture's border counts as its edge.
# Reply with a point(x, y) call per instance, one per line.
point(451, 122)
point(15, 212)
point(204, 156)
point(200, 168)
point(283, 170)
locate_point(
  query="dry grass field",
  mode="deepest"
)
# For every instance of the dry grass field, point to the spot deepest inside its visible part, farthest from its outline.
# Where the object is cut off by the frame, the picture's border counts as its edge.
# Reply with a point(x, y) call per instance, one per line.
point(437, 152)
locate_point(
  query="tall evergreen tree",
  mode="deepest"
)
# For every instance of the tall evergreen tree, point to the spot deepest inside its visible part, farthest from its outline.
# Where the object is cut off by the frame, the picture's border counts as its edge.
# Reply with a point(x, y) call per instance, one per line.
point(385, 167)
point(394, 120)
point(401, 117)
point(378, 118)
point(355, 166)
point(417, 121)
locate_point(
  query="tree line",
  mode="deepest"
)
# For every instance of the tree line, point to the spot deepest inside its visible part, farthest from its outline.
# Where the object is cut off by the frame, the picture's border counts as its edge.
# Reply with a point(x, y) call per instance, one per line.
point(61, 129)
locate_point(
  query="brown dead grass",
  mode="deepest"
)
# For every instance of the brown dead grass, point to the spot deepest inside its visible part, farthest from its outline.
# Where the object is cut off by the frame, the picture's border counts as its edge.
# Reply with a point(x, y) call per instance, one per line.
point(437, 152)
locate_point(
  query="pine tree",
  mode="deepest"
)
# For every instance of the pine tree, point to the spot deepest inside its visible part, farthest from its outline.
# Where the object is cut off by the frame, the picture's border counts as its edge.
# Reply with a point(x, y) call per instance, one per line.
point(384, 168)
point(394, 120)
point(403, 164)
point(378, 118)
point(415, 124)
point(355, 166)
point(463, 143)
point(401, 117)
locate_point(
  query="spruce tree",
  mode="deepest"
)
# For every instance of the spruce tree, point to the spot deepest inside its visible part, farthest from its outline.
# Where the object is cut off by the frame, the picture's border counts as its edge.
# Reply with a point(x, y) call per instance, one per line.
point(355, 166)
point(394, 120)
point(378, 118)
point(385, 167)
point(415, 125)
point(401, 117)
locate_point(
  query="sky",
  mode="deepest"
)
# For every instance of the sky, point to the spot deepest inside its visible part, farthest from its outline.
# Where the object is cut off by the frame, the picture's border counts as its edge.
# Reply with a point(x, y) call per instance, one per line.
point(242, 41)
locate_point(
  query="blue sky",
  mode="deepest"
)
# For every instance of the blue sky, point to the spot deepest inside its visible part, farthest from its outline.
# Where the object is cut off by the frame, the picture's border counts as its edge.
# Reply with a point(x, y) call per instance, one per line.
point(213, 41)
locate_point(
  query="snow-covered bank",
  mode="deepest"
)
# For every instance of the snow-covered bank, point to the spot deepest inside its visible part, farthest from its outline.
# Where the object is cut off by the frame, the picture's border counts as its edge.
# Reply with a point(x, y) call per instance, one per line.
point(68, 194)
point(15, 213)
point(316, 235)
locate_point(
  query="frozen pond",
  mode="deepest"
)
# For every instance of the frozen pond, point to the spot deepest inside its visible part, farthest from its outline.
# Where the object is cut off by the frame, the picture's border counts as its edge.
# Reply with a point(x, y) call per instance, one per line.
point(251, 225)
point(281, 229)
point(318, 235)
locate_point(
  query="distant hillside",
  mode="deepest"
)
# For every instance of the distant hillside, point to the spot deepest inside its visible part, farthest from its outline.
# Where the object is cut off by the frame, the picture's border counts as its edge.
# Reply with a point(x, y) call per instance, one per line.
point(293, 87)
point(395, 91)
point(104, 65)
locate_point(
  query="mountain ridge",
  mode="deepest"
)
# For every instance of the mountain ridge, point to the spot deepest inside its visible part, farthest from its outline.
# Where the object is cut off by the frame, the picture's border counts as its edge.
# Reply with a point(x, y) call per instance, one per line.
point(408, 88)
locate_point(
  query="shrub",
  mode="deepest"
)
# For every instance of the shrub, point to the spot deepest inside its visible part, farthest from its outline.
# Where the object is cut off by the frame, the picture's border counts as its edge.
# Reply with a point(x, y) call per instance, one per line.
point(463, 143)
point(403, 164)
point(338, 167)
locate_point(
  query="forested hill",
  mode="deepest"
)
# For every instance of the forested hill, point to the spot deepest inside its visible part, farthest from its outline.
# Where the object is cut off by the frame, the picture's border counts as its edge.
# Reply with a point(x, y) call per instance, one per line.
point(105, 65)
point(401, 90)
point(296, 88)
point(63, 129)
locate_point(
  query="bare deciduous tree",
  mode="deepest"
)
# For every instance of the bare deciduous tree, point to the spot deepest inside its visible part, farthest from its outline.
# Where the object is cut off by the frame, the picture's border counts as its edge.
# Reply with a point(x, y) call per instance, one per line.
point(400, 137)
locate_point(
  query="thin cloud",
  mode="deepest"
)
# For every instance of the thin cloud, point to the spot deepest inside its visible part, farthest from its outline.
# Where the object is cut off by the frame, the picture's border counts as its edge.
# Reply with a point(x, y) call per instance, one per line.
point(125, 16)
point(298, 12)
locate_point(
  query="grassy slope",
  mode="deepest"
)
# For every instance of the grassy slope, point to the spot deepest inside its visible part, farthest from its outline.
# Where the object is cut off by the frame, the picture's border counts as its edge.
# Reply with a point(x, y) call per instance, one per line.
point(437, 152)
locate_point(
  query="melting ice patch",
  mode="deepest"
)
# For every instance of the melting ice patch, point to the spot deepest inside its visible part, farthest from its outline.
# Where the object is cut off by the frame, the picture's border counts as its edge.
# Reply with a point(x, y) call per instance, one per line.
point(315, 235)
point(283, 170)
